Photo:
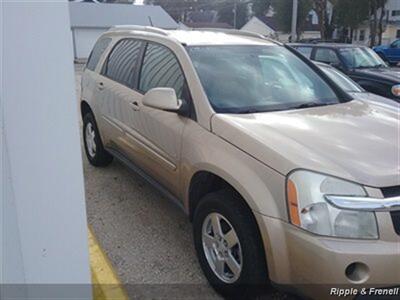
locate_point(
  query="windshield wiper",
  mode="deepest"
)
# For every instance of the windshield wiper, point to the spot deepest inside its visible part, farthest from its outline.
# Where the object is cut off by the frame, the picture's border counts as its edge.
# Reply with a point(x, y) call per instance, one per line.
point(380, 66)
point(248, 111)
point(364, 67)
point(310, 104)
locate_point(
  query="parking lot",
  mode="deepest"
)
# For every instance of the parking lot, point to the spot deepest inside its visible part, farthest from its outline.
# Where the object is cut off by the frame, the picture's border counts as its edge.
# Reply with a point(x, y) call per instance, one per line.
point(147, 238)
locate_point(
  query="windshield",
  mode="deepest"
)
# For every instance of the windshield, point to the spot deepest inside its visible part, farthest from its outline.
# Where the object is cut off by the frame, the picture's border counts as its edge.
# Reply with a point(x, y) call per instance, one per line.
point(361, 57)
point(244, 79)
point(342, 80)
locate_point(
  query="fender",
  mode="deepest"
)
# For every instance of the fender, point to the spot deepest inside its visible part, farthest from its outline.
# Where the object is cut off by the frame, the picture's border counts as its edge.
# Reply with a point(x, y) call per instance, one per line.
point(261, 187)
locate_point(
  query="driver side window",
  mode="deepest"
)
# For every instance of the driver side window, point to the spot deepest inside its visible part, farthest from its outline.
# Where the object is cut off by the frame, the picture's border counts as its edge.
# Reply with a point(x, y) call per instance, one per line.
point(161, 69)
point(326, 56)
point(396, 44)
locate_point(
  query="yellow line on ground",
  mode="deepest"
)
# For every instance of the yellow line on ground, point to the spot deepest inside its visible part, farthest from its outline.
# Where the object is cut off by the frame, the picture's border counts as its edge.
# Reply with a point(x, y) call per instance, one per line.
point(106, 284)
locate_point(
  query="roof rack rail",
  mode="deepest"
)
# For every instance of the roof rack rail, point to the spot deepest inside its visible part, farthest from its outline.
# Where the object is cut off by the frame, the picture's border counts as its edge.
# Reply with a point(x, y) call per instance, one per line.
point(139, 28)
point(238, 32)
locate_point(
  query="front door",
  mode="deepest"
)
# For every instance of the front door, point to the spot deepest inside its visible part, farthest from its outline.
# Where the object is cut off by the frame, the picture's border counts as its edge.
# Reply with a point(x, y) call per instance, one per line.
point(155, 135)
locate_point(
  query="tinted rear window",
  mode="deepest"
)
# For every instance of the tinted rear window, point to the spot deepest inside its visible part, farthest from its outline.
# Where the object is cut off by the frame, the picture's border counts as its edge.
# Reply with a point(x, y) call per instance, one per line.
point(98, 49)
point(122, 62)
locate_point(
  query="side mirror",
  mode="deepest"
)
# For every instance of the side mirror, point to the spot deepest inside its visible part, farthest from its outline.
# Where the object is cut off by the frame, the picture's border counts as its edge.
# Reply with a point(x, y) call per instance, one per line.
point(162, 98)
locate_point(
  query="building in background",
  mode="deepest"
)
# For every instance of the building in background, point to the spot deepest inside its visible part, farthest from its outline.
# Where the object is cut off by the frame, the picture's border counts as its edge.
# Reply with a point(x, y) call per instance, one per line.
point(269, 26)
point(391, 26)
point(90, 20)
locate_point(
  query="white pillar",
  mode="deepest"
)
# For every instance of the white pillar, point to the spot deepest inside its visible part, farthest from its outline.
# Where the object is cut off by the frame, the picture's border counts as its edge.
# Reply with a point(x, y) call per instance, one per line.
point(43, 238)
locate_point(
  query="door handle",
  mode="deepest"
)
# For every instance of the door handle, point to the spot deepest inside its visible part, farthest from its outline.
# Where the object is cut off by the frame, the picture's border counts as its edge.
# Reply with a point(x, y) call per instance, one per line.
point(100, 85)
point(135, 106)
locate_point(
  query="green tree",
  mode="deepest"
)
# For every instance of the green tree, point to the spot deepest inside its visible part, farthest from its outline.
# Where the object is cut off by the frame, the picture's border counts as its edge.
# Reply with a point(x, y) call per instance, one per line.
point(178, 9)
point(381, 6)
point(226, 12)
point(260, 8)
point(350, 14)
point(283, 9)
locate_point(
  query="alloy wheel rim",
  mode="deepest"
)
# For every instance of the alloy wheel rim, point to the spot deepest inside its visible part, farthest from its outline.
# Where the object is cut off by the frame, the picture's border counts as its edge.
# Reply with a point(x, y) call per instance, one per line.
point(90, 140)
point(222, 247)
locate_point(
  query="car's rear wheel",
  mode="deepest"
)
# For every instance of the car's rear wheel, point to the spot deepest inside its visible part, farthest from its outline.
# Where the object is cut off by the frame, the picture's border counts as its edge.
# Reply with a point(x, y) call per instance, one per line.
point(94, 148)
point(229, 246)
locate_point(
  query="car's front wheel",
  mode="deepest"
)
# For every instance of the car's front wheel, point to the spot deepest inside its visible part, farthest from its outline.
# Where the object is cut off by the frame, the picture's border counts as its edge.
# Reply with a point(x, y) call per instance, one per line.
point(94, 148)
point(229, 246)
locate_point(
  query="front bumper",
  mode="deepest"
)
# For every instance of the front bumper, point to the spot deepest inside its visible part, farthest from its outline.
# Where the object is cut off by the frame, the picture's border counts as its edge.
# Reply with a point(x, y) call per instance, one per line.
point(314, 264)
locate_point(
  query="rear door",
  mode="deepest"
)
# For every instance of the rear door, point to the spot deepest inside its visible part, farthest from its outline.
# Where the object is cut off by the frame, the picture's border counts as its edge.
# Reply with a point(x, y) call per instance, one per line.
point(91, 89)
point(116, 85)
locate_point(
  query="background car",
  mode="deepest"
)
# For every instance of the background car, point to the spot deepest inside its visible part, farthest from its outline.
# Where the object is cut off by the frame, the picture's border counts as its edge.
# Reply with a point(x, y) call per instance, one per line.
point(352, 87)
point(389, 53)
point(360, 63)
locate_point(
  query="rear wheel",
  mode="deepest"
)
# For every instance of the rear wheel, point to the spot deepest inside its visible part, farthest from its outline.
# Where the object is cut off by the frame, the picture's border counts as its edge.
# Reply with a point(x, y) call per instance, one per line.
point(229, 246)
point(94, 148)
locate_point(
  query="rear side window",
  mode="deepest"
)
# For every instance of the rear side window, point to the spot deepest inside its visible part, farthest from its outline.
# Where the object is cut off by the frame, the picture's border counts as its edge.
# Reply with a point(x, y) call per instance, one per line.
point(122, 62)
point(306, 51)
point(98, 49)
point(327, 56)
point(161, 69)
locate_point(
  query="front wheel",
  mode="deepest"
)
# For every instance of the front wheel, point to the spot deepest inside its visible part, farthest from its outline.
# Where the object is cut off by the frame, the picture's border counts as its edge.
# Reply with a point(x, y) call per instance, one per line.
point(229, 246)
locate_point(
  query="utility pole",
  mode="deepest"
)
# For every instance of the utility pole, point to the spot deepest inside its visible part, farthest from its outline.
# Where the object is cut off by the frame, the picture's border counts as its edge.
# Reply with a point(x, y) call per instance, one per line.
point(234, 13)
point(294, 21)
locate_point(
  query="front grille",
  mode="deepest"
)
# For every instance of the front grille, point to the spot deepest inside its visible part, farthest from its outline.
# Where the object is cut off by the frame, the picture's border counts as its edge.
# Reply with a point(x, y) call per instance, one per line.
point(388, 192)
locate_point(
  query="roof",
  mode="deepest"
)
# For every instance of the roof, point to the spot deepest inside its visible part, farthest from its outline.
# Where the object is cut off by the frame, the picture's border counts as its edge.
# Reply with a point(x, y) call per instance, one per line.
point(106, 15)
point(271, 22)
point(206, 37)
point(256, 25)
point(212, 36)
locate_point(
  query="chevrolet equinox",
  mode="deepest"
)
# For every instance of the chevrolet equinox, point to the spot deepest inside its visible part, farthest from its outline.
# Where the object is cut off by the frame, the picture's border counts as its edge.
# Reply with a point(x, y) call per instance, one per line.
point(286, 177)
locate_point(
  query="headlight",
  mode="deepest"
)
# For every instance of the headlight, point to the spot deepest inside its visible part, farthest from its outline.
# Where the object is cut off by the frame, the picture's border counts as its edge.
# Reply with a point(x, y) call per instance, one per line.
point(396, 90)
point(309, 210)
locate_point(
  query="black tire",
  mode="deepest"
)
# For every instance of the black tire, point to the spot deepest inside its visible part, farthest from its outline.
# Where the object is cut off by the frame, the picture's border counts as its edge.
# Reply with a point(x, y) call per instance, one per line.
point(253, 278)
point(100, 158)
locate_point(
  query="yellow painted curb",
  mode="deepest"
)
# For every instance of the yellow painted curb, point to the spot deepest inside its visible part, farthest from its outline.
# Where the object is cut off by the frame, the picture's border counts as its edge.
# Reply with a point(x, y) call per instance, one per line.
point(106, 284)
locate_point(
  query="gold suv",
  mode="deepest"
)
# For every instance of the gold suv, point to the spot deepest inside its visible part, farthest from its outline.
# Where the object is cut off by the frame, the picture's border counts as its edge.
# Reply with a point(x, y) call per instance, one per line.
point(286, 177)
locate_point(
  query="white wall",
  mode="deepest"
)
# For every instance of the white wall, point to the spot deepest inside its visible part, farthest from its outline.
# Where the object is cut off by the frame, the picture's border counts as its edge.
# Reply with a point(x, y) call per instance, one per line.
point(44, 231)
point(84, 40)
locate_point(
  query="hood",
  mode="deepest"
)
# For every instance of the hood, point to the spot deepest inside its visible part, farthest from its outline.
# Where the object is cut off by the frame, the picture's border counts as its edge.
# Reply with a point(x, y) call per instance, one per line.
point(357, 140)
point(387, 74)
